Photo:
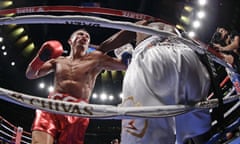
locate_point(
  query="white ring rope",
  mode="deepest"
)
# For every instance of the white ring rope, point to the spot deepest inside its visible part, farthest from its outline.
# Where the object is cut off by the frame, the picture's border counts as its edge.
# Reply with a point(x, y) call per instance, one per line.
point(81, 20)
point(102, 111)
point(105, 111)
point(7, 128)
point(11, 131)
point(26, 137)
point(11, 136)
point(22, 141)
point(6, 134)
point(234, 107)
point(102, 22)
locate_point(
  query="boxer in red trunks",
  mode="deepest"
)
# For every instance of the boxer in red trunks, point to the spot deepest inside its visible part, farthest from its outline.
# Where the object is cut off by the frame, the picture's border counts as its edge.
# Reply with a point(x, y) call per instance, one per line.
point(74, 80)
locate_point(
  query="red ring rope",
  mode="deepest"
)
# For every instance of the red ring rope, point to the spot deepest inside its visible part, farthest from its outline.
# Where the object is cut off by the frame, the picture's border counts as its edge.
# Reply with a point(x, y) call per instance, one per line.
point(81, 9)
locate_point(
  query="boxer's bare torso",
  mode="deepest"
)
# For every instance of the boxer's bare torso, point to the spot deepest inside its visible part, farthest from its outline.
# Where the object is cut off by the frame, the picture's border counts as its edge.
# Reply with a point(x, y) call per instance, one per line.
point(76, 76)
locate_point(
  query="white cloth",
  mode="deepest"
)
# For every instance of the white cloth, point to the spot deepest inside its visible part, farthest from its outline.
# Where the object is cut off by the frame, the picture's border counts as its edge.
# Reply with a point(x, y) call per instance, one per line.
point(164, 73)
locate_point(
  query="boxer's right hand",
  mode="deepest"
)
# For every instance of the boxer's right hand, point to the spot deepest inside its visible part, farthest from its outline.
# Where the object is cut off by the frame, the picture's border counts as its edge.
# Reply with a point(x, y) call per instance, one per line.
point(50, 49)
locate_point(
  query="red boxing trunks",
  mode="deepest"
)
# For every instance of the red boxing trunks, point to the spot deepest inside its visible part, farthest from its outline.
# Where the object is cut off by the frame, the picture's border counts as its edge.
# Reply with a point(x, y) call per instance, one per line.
point(64, 129)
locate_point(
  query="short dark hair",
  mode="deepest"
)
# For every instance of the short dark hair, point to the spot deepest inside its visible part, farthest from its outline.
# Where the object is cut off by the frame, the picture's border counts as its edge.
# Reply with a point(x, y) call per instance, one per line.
point(81, 29)
point(226, 27)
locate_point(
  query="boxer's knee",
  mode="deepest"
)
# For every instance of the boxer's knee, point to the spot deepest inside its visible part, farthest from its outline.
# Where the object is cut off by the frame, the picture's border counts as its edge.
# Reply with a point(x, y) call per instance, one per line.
point(39, 137)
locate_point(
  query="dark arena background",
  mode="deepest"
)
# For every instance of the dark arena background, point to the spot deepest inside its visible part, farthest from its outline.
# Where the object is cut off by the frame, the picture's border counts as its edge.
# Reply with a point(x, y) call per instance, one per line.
point(20, 43)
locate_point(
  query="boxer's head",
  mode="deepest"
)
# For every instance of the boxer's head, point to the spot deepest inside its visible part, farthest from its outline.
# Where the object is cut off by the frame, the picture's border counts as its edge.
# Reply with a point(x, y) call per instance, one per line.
point(164, 27)
point(220, 36)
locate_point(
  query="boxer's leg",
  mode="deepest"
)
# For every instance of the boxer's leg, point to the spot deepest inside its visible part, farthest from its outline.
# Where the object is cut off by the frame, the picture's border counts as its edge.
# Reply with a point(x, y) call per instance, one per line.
point(43, 128)
point(39, 137)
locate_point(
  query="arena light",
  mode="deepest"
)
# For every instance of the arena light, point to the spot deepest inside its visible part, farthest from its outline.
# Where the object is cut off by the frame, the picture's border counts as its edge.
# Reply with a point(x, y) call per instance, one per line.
point(3, 47)
point(17, 31)
point(50, 89)
point(5, 3)
point(178, 26)
point(22, 40)
point(201, 14)
point(191, 34)
point(123, 73)
point(1, 39)
point(121, 95)
point(28, 49)
point(114, 74)
point(13, 63)
point(111, 97)
point(196, 24)
point(103, 96)
point(188, 8)
point(11, 26)
point(185, 19)
point(5, 53)
point(41, 85)
point(202, 2)
point(105, 75)
point(9, 15)
point(94, 96)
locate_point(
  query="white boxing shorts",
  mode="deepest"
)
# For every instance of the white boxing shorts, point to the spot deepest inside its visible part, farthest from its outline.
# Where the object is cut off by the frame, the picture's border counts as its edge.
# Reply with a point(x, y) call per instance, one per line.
point(165, 72)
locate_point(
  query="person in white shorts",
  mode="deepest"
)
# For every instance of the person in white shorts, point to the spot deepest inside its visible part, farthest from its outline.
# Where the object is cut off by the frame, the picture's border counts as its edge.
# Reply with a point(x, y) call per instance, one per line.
point(163, 71)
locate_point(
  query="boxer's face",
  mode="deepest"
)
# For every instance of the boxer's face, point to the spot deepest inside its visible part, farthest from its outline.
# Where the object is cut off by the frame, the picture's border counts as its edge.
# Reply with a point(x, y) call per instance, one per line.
point(223, 33)
point(79, 38)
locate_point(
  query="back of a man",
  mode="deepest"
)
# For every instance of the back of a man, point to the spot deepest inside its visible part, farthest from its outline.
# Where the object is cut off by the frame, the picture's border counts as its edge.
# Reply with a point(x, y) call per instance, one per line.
point(168, 73)
point(163, 71)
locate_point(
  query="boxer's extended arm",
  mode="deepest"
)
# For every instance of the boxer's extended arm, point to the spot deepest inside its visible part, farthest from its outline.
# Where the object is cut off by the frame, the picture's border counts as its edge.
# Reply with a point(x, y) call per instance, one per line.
point(117, 40)
point(234, 45)
point(106, 62)
point(42, 64)
point(110, 63)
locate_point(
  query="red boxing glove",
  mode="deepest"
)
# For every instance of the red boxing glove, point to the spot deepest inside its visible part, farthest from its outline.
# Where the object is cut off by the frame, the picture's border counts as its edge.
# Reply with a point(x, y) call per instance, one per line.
point(50, 49)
